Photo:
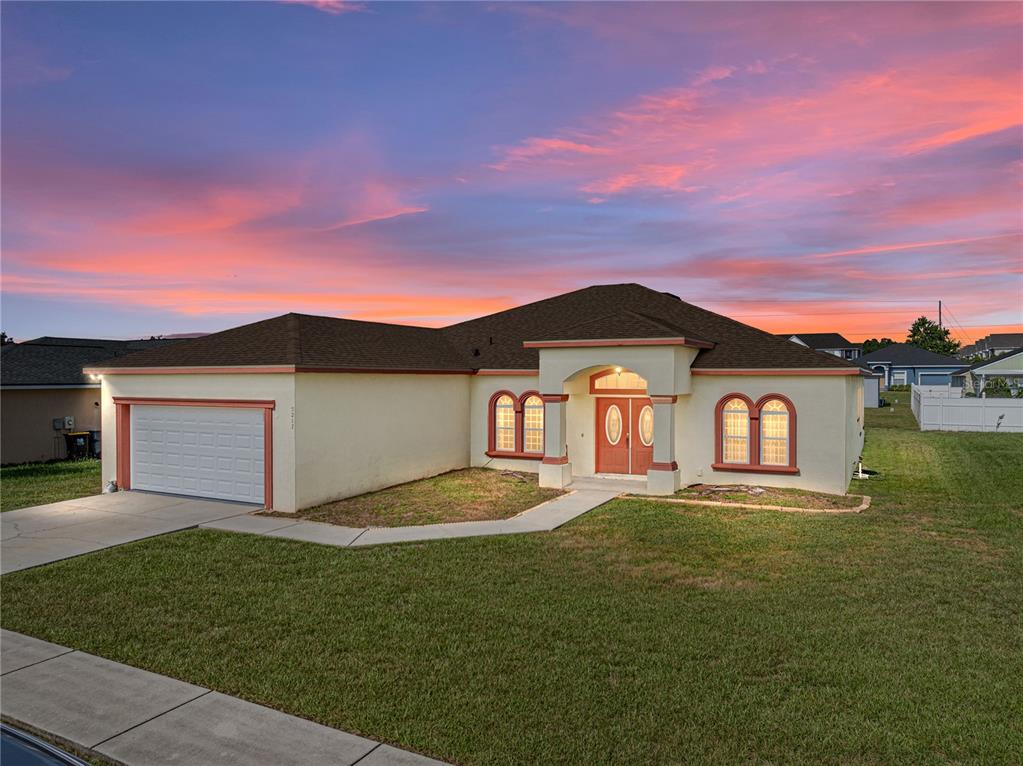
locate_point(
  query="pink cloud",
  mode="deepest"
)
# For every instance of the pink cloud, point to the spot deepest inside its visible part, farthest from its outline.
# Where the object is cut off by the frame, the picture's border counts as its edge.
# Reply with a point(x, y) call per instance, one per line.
point(333, 7)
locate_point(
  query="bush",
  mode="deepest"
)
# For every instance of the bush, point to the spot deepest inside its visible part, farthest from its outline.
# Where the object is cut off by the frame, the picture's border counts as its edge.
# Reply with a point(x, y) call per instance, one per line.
point(997, 388)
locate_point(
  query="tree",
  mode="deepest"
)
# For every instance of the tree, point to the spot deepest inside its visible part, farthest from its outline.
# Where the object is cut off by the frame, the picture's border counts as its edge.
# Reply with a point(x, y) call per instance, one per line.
point(928, 335)
point(5, 339)
point(873, 344)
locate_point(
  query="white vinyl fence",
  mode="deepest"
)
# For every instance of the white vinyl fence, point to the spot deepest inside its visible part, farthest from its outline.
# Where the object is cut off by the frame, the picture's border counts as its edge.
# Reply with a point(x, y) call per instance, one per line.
point(936, 409)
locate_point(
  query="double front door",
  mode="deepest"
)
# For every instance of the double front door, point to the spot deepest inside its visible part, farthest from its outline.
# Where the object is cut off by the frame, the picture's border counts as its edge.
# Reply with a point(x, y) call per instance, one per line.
point(624, 435)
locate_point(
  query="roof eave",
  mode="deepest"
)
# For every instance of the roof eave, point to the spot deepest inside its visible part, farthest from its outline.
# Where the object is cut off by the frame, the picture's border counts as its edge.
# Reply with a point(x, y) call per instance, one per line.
point(596, 342)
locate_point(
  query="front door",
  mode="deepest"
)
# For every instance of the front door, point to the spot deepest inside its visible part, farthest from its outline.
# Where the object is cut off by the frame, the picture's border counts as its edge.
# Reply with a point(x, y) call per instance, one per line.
point(624, 435)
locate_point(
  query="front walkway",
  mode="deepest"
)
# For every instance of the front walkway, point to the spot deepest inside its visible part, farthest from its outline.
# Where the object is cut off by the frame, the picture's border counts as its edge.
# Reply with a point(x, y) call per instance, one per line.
point(30, 537)
point(139, 718)
point(542, 518)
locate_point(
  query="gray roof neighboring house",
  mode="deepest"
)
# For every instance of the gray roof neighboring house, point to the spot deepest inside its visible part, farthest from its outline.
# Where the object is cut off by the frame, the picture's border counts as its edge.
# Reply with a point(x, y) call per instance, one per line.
point(46, 362)
point(821, 339)
point(905, 355)
point(497, 341)
point(988, 362)
point(1001, 340)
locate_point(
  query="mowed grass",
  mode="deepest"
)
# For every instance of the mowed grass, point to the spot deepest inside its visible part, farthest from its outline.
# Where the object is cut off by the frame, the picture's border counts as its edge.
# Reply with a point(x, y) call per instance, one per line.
point(469, 494)
point(641, 633)
point(39, 483)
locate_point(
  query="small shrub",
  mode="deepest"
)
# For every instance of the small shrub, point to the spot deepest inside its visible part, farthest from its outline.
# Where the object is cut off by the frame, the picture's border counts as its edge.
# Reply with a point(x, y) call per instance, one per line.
point(997, 388)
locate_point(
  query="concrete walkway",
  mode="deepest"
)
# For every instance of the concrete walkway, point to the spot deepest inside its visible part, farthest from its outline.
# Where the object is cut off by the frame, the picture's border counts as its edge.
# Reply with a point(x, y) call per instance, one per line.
point(542, 518)
point(140, 718)
point(30, 537)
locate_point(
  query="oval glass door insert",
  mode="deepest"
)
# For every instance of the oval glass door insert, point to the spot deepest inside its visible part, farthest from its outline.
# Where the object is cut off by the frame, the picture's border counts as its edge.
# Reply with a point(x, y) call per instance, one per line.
point(646, 425)
point(613, 424)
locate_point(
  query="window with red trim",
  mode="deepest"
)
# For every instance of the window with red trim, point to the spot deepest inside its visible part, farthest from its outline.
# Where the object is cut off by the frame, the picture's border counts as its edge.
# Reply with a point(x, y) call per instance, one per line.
point(756, 437)
point(515, 425)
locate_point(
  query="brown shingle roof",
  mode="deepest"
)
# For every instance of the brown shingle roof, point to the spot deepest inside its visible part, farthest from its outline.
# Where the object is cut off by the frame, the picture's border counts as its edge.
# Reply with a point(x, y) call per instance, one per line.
point(305, 341)
point(490, 342)
point(498, 337)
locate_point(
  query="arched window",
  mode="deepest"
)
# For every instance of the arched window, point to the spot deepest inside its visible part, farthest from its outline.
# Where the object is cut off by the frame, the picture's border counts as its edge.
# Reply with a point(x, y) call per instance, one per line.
point(757, 437)
point(532, 424)
point(774, 433)
point(515, 425)
point(617, 381)
point(504, 424)
point(735, 446)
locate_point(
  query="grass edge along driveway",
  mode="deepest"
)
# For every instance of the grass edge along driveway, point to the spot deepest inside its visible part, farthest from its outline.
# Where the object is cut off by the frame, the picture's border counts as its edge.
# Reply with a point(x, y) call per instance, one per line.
point(639, 633)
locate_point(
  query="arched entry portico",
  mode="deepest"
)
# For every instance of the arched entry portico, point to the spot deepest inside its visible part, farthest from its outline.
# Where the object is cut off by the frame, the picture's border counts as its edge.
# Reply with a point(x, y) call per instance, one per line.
point(580, 421)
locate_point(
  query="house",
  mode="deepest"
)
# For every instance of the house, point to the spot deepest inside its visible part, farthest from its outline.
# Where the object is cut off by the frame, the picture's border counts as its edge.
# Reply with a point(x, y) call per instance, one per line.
point(995, 344)
point(614, 381)
point(901, 364)
point(43, 393)
point(1008, 367)
point(826, 342)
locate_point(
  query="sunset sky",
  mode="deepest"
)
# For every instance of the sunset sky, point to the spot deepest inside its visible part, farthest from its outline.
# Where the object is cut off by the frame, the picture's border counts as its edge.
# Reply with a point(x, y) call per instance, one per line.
point(172, 168)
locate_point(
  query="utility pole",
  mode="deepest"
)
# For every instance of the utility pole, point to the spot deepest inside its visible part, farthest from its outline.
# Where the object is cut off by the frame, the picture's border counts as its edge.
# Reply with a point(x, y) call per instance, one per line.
point(939, 313)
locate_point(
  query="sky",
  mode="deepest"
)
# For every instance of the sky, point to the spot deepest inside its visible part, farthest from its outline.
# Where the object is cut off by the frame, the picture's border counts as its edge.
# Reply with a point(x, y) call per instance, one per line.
point(176, 168)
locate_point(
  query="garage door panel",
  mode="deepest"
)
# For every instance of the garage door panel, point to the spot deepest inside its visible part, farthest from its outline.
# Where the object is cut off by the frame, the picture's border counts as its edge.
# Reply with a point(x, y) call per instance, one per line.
point(207, 451)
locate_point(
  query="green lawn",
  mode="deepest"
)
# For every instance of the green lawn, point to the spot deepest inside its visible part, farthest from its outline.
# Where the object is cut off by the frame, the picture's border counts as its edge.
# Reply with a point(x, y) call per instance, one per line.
point(469, 494)
point(39, 483)
point(640, 633)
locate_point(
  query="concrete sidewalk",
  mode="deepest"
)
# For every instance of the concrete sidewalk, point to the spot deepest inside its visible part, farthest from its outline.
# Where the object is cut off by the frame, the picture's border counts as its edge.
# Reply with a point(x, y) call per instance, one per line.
point(543, 518)
point(140, 718)
point(30, 537)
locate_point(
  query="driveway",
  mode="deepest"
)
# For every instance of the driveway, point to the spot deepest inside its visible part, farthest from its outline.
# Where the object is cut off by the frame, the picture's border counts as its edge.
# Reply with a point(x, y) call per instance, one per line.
point(33, 536)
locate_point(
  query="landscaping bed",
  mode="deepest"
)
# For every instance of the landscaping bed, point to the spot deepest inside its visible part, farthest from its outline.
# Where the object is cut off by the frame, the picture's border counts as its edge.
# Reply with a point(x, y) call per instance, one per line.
point(756, 495)
point(39, 483)
point(641, 632)
point(469, 494)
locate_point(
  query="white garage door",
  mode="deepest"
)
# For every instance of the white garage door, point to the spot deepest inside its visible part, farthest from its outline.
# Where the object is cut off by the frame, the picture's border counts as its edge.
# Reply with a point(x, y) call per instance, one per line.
point(205, 451)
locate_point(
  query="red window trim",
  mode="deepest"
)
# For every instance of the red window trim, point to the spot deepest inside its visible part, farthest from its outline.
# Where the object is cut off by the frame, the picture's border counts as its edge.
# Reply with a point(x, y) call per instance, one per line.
point(519, 452)
point(122, 419)
point(754, 465)
point(612, 391)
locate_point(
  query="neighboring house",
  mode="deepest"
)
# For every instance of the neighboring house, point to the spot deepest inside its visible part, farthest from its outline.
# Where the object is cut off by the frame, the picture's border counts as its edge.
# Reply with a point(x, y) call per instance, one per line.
point(901, 364)
point(1008, 366)
point(995, 344)
point(613, 380)
point(43, 393)
point(826, 342)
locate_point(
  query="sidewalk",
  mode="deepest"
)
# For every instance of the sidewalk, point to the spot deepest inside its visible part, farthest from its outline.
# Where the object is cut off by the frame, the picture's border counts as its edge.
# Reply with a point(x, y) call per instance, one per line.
point(543, 518)
point(139, 718)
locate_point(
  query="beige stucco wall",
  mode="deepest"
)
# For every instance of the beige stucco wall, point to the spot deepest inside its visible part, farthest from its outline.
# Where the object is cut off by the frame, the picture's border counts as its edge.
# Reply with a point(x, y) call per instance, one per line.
point(361, 432)
point(666, 368)
point(824, 409)
point(278, 387)
point(481, 388)
point(26, 421)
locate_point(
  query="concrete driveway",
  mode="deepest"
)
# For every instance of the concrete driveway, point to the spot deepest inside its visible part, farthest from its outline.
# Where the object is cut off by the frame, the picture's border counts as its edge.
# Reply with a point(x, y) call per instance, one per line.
point(33, 536)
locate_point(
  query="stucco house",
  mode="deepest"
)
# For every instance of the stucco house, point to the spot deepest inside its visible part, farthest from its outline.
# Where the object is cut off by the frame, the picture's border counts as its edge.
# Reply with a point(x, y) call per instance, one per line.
point(613, 380)
point(901, 364)
point(44, 395)
point(1008, 367)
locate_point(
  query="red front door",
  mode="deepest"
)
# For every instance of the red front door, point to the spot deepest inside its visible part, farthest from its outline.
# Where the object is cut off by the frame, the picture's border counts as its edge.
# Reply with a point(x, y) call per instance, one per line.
point(621, 429)
point(642, 435)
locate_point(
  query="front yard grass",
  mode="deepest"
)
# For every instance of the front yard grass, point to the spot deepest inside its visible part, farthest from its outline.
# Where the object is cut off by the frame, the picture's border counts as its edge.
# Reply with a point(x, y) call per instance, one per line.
point(641, 632)
point(468, 494)
point(38, 483)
